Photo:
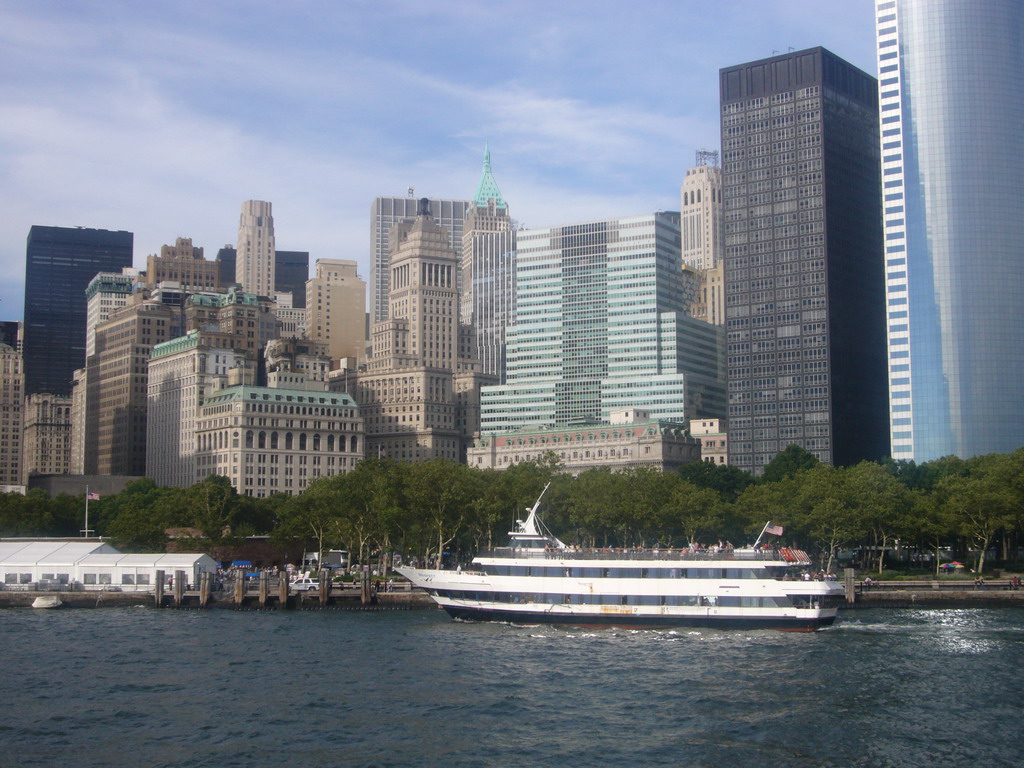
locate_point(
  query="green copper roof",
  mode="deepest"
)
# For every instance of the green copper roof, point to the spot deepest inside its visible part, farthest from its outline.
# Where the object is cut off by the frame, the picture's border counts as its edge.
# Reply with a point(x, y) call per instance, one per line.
point(488, 188)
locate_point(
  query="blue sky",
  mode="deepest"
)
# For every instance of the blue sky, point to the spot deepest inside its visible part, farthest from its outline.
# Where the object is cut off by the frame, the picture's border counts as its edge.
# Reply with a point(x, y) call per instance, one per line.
point(162, 117)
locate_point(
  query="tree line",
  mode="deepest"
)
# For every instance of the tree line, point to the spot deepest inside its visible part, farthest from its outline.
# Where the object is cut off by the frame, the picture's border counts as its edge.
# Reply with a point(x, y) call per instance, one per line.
point(442, 511)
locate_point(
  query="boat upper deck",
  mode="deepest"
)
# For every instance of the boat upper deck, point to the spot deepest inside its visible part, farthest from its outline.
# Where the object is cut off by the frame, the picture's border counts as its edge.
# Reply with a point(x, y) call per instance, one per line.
point(778, 556)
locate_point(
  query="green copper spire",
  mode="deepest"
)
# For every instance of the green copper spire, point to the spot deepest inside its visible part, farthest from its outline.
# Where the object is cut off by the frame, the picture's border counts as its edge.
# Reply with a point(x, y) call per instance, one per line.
point(488, 188)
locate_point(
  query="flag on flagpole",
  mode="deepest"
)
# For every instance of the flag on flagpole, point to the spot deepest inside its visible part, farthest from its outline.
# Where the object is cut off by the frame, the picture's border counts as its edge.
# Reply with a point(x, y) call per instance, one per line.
point(774, 530)
point(92, 496)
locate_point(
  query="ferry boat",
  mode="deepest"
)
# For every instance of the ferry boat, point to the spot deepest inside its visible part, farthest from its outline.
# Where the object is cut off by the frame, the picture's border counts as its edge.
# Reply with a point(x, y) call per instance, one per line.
point(538, 579)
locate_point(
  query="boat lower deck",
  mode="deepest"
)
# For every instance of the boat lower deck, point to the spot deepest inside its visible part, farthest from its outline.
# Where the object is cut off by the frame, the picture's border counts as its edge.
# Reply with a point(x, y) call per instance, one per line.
point(641, 621)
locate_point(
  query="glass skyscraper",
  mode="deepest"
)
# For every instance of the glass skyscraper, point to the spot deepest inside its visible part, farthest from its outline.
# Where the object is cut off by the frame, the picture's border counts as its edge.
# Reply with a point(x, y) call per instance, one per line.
point(804, 293)
point(601, 325)
point(59, 264)
point(951, 76)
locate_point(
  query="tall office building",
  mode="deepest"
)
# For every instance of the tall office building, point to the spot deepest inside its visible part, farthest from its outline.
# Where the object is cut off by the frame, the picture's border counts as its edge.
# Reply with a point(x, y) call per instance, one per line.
point(248, 318)
point(952, 111)
point(60, 262)
point(384, 214)
point(255, 265)
point(601, 326)
point(116, 380)
point(419, 390)
point(489, 272)
point(803, 250)
point(105, 293)
point(12, 405)
point(12, 333)
point(291, 270)
point(336, 308)
point(47, 442)
point(700, 213)
point(183, 372)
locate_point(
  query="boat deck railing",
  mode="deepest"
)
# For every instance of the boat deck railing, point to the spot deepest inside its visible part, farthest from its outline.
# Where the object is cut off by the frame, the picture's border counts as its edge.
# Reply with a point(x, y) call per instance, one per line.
point(779, 555)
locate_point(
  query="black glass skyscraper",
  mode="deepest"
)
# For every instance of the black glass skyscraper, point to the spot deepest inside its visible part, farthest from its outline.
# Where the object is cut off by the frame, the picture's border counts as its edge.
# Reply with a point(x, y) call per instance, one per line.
point(291, 269)
point(59, 263)
point(291, 273)
point(804, 285)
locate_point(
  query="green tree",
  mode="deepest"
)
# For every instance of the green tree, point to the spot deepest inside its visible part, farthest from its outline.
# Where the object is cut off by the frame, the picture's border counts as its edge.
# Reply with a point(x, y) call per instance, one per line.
point(981, 503)
point(824, 510)
point(213, 505)
point(313, 516)
point(788, 463)
point(726, 480)
point(691, 512)
point(439, 493)
point(881, 502)
point(594, 501)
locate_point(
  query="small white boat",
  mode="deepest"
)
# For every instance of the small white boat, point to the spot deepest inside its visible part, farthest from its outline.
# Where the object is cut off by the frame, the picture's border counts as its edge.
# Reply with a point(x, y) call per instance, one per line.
point(47, 601)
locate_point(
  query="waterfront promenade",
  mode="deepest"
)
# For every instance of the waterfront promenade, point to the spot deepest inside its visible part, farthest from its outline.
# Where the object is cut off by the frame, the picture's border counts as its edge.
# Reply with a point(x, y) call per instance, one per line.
point(238, 594)
point(253, 596)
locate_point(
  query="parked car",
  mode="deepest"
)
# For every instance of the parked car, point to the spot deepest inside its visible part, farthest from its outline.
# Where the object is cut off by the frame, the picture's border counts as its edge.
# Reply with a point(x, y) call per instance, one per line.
point(305, 585)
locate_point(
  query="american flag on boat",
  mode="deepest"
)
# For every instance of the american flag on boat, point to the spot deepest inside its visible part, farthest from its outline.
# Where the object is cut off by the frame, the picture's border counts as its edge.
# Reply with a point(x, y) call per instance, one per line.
point(774, 530)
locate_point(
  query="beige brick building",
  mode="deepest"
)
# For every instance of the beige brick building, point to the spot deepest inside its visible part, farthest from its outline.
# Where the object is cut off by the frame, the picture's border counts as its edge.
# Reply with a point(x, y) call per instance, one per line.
point(47, 437)
point(12, 401)
point(184, 264)
point(336, 309)
point(632, 439)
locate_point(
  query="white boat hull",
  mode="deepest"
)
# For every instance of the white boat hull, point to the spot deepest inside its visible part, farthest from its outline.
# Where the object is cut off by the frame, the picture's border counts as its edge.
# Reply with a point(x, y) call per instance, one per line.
point(611, 602)
point(49, 601)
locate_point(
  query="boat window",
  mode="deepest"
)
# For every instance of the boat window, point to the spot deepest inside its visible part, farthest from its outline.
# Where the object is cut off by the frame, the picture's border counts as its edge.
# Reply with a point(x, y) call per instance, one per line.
point(682, 600)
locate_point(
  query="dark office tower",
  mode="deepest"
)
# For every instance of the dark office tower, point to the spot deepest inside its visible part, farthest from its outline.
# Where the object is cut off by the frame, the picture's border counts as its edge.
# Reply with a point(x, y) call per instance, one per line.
point(292, 272)
point(226, 258)
point(11, 334)
point(59, 263)
point(804, 291)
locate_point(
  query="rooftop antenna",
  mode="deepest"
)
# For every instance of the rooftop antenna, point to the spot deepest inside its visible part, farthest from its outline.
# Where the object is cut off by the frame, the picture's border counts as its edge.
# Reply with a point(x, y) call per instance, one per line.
point(410, 191)
point(707, 157)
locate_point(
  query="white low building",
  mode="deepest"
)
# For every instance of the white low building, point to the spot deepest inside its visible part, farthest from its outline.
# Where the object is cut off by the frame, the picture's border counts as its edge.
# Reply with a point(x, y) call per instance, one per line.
point(90, 564)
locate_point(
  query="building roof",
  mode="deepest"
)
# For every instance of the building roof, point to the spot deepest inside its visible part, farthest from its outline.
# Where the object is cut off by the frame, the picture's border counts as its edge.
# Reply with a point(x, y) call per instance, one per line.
point(488, 187)
point(92, 553)
point(278, 395)
point(56, 552)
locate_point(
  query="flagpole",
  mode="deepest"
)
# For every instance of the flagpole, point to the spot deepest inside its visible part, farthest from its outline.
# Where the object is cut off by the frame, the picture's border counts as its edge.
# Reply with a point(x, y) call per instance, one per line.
point(762, 533)
point(86, 531)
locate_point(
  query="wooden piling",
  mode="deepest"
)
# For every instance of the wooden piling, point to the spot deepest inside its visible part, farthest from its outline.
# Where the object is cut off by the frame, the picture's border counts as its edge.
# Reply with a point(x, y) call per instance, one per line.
point(848, 583)
point(283, 586)
point(204, 589)
point(364, 595)
point(239, 589)
point(158, 589)
point(179, 588)
point(264, 588)
point(325, 586)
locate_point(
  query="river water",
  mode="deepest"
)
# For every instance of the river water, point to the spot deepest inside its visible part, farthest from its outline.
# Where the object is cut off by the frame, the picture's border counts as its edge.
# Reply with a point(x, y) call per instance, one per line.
point(223, 688)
